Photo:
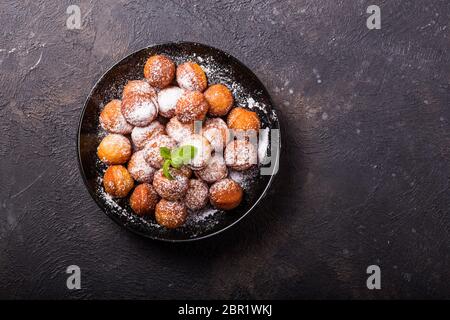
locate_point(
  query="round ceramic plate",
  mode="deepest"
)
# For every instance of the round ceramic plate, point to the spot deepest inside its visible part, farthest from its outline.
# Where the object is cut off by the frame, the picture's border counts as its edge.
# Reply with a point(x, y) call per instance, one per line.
point(220, 67)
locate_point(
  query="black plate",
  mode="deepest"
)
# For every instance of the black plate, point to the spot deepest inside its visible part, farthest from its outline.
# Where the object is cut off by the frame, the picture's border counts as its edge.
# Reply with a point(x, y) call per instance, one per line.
point(219, 67)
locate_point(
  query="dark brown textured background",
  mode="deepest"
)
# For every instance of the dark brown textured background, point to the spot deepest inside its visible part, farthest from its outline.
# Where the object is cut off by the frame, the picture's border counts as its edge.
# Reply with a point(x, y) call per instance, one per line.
point(365, 170)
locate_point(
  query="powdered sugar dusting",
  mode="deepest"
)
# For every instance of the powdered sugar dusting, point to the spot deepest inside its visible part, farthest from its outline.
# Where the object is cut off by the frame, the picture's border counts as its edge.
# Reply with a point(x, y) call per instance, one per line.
point(207, 214)
point(167, 100)
point(245, 178)
point(217, 133)
point(112, 120)
point(171, 189)
point(191, 77)
point(214, 171)
point(197, 195)
point(139, 169)
point(139, 110)
point(240, 155)
point(152, 151)
point(139, 87)
point(179, 131)
point(141, 135)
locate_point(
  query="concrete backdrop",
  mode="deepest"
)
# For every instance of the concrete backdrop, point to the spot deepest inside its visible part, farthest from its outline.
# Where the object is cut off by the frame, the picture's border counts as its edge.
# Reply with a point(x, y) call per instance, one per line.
point(364, 177)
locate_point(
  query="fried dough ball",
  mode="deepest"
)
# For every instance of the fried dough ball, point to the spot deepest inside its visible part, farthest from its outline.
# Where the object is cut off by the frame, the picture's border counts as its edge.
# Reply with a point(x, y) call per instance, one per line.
point(191, 106)
point(170, 214)
point(241, 155)
point(171, 189)
point(203, 148)
point(139, 109)
point(179, 131)
point(220, 99)
point(139, 87)
point(141, 135)
point(143, 200)
point(217, 133)
point(190, 76)
point(243, 119)
point(152, 153)
point(112, 119)
point(167, 100)
point(117, 181)
point(159, 71)
point(114, 149)
point(226, 194)
point(214, 171)
point(197, 195)
point(139, 169)
point(186, 171)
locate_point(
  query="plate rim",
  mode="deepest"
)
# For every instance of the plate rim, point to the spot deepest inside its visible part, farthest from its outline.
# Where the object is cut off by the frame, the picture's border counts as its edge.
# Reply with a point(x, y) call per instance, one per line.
point(116, 219)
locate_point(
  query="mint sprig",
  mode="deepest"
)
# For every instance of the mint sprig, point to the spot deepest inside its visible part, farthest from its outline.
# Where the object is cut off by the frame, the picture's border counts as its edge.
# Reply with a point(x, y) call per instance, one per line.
point(166, 169)
point(165, 152)
point(176, 158)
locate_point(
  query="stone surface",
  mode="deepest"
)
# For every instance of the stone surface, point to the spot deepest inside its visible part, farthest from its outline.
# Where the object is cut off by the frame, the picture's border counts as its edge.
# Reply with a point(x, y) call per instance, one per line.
point(365, 168)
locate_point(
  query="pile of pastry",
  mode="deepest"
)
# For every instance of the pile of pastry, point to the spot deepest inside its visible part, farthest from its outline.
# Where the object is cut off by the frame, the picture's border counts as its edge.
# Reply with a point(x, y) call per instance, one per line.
point(171, 141)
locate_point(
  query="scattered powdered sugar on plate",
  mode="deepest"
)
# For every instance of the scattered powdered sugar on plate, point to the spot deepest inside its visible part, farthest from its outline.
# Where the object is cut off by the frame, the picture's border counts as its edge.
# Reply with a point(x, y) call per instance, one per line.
point(202, 215)
point(244, 178)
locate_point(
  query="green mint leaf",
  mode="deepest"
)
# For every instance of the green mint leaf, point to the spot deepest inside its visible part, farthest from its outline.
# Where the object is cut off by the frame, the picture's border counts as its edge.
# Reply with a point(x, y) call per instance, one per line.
point(176, 163)
point(166, 169)
point(176, 153)
point(164, 152)
point(182, 155)
point(177, 157)
point(188, 153)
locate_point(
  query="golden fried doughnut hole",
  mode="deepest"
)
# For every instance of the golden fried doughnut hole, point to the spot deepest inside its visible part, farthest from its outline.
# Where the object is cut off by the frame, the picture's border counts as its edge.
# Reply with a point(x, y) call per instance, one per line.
point(186, 171)
point(241, 155)
point(139, 87)
point(140, 169)
point(220, 100)
point(226, 194)
point(141, 135)
point(170, 214)
point(243, 119)
point(214, 171)
point(114, 149)
point(190, 76)
point(217, 133)
point(139, 109)
point(143, 200)
point(191, 106)
point(159, 71)
point(152, 152)
point(117, 181)
point(179, 131)
point(171, 189)
point(197, 195)
point(167, 101)
point(112, 119)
